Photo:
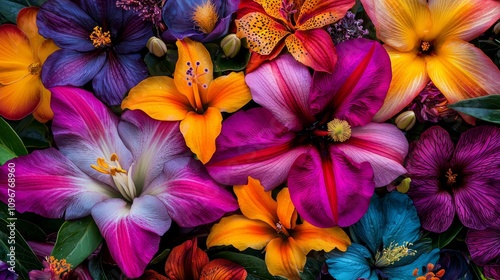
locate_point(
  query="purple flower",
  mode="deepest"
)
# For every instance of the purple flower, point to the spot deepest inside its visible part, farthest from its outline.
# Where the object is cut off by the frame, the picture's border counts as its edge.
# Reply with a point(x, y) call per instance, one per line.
point(431, 105)
point(199, 20)
point(6, 272)
point(149, 10)
point(314, 132)
point(483, 245)
point(462, 179)
point(134, 176)
point(99, 42)
point(347, 28)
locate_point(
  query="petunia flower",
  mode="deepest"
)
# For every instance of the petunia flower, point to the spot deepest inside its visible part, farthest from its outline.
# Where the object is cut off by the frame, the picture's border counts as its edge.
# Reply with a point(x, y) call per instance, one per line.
point(386, 243)
point(449, 180)
point(483, 247)
point(22, 53)
point(187, 261)
point(269, 26)
point(134, 176)
point(200, 20)
point(428, 40)
point(99, 42)
point(193, 97)
point(315, 133)
point(273, 224)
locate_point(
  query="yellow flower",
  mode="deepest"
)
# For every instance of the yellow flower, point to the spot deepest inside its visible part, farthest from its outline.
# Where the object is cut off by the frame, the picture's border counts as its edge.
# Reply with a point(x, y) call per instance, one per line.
point(272, 224)
point(192, 97)
point(22, 54)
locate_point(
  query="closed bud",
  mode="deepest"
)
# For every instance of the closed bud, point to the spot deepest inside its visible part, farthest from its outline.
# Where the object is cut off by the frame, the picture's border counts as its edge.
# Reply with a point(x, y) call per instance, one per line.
point(156, 46)
point(406, 120)
point(404, 186)
point(231, 45)
point(496, 28)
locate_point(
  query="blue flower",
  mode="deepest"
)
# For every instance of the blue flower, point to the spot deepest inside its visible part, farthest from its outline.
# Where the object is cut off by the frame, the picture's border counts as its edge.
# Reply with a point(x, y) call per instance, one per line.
point(386, 243)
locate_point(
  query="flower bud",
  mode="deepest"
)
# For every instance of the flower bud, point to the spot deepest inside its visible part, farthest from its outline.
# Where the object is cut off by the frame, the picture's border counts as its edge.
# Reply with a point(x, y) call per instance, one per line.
point(406, 120)
point(156, 46)
point(496, 28)
point(404, 186)
point(231, 45)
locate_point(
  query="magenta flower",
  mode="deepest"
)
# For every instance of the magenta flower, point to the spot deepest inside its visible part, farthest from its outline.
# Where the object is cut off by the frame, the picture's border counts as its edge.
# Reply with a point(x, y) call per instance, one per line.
point(134, 176)
point(462, 179)
point(314, 132)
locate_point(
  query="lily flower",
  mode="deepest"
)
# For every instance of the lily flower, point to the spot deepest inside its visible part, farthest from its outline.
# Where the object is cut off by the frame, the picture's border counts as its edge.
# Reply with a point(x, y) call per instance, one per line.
point(22, 53)
point(270, 25)
point(273, 224)
point(315, 133)
point(429, 40)
point(134, 176)
point(386, 243)
point(99, 43)
point(193, 97)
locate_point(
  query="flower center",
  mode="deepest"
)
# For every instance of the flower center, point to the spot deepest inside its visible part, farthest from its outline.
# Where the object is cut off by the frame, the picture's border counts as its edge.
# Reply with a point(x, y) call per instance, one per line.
point(393, 253)
point(288, 11)
point(58, 267)
point(281, 230)
point(192, 81)
point(205, 16)
point(100, 39)
point(121, 177)
point(34, 68)
point(452, 178)
point(339, 130)
point(425, 48)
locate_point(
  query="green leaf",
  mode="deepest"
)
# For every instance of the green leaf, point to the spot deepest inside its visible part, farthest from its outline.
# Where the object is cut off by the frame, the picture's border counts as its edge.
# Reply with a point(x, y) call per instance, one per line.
point(255, 267)
point(76, 240)
point(11, 145)
point(9, 10)
point(312, 269)
point(161, 257)
point(448, 236)
point(161, 66)
point(223, 64)
point(486, 108)
point(100, 271)
point(477, 272)
point(34, 134)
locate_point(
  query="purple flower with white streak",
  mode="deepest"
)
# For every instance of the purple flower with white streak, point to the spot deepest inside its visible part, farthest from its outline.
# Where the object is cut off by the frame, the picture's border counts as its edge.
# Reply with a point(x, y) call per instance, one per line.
point(134, 176)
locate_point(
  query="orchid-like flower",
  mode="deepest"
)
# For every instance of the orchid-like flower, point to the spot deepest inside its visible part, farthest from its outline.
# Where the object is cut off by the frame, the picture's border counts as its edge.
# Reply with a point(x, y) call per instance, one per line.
point(270, 25)
point(273, 224)
point(428, 40)
point(193, 97)
point(134, 176)
point(315, 133)
point(22, 54)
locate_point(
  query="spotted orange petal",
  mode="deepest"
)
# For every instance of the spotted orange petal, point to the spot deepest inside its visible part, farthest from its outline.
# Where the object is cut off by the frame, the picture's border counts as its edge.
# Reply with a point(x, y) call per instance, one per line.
point(285, 258)
point(255, 203)
point(313, 48)
point(318, 13)
point(223, 269)
point(272, 8)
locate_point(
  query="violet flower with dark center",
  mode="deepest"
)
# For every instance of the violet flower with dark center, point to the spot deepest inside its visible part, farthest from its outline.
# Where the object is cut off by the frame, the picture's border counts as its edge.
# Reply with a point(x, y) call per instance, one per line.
point(431, 105)
point(347, 28)
point(99, 42)
point(462, 179)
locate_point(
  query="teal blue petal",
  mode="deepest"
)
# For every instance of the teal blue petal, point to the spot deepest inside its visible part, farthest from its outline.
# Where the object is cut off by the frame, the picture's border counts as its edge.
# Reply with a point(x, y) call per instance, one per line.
point(352, 264)
point(405, 272)
point(367, 231)
point(401, 220)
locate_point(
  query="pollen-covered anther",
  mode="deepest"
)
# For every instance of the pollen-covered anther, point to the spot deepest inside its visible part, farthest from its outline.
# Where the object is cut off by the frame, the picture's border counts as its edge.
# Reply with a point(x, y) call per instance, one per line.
point(339, 130)
point(425, 46)
point(121, 177)
point(393, 253)
point(452, 178)
point(205, 16)
point(100, 39)
point(58, 267)
point(35, 68)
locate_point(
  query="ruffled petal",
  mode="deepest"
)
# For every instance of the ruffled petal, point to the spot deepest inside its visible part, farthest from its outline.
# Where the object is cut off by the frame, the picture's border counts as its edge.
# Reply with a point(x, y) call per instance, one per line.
point(282, 86)
point(241, 233)
point(227, 93)
point(287, 214)
point(409, 77)
point(285, 258)
point(330, 191)
point(313, 48)
point(223, 269)
point(352, 264)
point(401, 221)
point(483, 245)
point(319, 13)
point(186, 261)
point(26, 21)
point(123, 225)
point(383, 145)
point(309, 237)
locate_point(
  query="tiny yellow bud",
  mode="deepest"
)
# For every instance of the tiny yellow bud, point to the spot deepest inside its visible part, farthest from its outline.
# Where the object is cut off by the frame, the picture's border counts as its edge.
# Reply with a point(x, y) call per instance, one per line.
point(404, 186)
point(156, 46)
point(406, 120)
point(231, 45)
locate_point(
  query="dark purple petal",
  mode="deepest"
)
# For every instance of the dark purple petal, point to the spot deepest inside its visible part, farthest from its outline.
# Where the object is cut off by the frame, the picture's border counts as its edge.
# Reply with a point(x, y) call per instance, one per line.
point(117, 76)
point(492, 271)
point(483, 245)
point(220, 30)
point(356, 89)
point(134, 33)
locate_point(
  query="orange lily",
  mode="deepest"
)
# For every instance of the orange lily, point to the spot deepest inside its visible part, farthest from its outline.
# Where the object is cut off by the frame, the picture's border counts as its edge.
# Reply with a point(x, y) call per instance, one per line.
point(192, 97)
point(272, 224)
point(299, 22)
point(22, 54)
point(428, 40)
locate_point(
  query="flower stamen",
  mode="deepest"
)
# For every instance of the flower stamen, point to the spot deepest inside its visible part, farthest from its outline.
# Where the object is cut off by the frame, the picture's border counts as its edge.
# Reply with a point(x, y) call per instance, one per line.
point(393, 253)
point(58, 267)
point(339, 130)
point(121, 177)
point(205, 16)
point(192, 79)
point(100, 39)
point(452, 178)
point(35, 68)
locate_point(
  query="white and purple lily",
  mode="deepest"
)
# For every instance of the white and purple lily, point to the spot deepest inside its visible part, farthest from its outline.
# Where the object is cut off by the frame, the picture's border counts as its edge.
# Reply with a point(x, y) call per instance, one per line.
point(134, 176)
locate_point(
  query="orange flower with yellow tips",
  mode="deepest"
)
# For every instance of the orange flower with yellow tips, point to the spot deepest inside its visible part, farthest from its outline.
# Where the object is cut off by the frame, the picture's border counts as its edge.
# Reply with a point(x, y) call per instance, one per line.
point(298, 24)
point(193, 97)
point(272, 224)
point(22, 54)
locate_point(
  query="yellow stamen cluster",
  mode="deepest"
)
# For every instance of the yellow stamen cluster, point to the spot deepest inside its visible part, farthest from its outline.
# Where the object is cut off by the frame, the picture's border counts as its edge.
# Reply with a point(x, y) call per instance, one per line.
point(425, 46)
point(121, 177)
point(99, 38)
point(35, 68)
point(452, 178)
point(58, 267)
point(339, 130)
point(205, 16)
point(393, 253)
point(106, 167)
point(429, 275)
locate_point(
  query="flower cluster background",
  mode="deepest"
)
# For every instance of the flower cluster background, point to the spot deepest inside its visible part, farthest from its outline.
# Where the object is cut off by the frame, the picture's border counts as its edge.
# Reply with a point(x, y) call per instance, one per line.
point(250, 139)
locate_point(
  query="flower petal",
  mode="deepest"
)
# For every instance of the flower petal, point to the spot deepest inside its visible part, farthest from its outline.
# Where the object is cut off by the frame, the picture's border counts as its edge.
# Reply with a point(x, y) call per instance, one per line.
point(186, 261)
point(19, 99)
point(401, 221)
point(122, 225)
point(383, 145)
point(404, 272)
point(135, 31)
point(43, 113)
point(319, 13)
point(483, 245)
point(272, 8)
point(26, 21)
point(346, 93)
point(352, 264)
point(223, 269)
point(255, 203)
point(309, 237)
point(409, 77)
point(48, 184)
point(15, 54)
point(313, 48)
point(287, 214)
point(369, 229)
point(330, 191)
point(227, 93)
point(285, 258)
point(282, 86)
point(241, 233)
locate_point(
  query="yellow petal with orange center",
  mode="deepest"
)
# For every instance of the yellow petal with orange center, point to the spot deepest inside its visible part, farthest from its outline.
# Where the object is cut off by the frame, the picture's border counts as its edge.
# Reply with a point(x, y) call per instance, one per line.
point(43, 113)
point(272, 8)
point(228, 93)
point(186, 261)
point(286, 210)
point(200, 132)
point(241, 233)
point(318, 13)
point(255, 203)
point(263, 33)
point(285, 258)
point(159, 98)
point(223, 269)
point(26, 21)
point(15, 54)
point(309, 237)
point(21, 98)
point(409, 77)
